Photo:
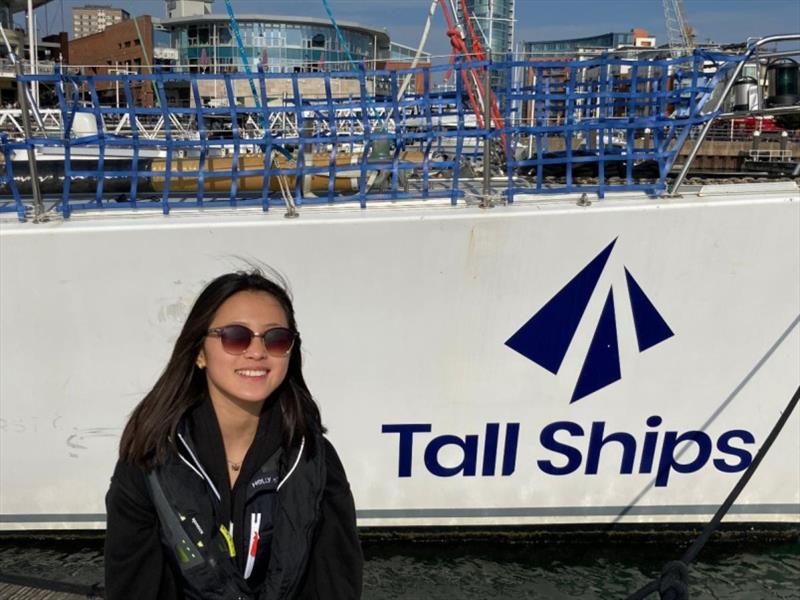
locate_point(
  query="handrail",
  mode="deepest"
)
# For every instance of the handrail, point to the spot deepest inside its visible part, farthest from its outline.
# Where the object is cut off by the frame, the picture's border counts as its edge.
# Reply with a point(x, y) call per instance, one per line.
point(588, 132)
point(676, 184)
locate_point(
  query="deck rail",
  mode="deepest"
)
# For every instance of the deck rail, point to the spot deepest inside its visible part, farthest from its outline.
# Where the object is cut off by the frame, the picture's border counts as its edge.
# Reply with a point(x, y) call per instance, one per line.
point(597, 126)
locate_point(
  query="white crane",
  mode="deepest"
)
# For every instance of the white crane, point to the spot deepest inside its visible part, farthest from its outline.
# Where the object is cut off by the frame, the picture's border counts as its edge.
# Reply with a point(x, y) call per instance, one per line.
point(680, 35)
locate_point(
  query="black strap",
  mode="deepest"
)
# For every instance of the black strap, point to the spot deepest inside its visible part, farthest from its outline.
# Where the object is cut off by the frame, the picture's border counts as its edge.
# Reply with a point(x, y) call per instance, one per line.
point(189, 553)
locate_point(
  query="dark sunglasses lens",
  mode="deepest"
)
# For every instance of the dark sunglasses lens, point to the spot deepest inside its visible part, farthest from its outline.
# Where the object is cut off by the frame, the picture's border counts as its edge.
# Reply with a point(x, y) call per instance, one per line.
point(235, 338)
point(279, 341)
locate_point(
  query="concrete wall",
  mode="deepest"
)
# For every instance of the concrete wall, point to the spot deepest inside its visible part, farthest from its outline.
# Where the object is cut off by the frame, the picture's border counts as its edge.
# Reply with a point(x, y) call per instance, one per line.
point(279, 88)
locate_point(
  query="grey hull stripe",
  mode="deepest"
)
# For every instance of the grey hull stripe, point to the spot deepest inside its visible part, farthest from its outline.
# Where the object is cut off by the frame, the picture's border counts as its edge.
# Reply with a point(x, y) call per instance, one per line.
point(54, 518)
point(540, 511)
point(579, 511)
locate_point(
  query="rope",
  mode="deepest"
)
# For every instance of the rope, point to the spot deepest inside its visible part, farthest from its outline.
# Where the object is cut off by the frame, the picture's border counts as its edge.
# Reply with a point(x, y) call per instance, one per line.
point(339, 35)
point(674, 577)
point(242, 53)
point(146, 59)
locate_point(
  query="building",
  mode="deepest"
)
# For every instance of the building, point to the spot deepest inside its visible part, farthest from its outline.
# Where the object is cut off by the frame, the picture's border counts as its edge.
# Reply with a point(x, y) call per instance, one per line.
point(587, 47)
point(119, 49)
point(188, 8)
point(195, 40)
point(94, 18)
point(494, 21)
point(627, 44)
point(278, 44)
point(47, 51)
point(402, 57)
point(281, 44)
point(20, 40)
point(401, 53)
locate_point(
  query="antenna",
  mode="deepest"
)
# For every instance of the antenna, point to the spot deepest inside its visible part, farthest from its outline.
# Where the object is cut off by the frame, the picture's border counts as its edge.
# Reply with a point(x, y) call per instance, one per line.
point(679, 34)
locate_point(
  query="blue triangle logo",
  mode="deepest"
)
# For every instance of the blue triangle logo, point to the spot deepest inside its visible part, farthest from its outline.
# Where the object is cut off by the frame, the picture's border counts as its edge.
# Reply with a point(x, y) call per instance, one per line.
point(651, 328)
point(546, 336)
point(601, 366)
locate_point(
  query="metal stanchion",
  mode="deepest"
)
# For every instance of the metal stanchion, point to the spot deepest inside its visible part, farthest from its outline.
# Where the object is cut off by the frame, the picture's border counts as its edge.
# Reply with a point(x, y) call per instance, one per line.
point(38, 205)
point(487, 143)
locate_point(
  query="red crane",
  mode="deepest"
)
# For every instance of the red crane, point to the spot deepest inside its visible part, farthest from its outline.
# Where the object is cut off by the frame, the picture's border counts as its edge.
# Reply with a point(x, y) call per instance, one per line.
point(471, 76)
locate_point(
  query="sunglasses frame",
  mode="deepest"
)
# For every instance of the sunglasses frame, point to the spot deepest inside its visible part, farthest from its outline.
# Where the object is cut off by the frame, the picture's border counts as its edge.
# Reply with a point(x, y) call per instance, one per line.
point(218, 333)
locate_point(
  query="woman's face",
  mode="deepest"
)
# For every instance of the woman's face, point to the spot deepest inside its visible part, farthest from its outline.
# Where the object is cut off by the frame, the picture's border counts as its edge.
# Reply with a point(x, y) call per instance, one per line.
point(252, 376)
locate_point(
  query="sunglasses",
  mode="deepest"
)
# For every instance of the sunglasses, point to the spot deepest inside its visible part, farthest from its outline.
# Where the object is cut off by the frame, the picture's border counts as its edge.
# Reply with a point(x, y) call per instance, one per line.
point(236, 339)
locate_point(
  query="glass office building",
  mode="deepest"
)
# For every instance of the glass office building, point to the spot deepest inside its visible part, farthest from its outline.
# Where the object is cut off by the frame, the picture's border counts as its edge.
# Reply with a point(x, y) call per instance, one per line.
point(600, 43)
point(494, 21)
point(281, 44)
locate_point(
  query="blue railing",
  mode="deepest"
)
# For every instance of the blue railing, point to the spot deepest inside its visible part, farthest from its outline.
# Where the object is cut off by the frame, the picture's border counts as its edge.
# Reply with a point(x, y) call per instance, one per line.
point(593, 126)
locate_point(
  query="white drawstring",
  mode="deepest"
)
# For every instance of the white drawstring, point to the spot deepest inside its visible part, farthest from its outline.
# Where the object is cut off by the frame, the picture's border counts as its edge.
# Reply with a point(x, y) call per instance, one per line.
point(191, 466)
point(199, 466)
point(294, 466)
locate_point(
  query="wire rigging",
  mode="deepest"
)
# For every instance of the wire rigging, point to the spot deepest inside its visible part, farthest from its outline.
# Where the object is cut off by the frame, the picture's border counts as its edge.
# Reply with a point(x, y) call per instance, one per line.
point(339, 35)
point(242, 54)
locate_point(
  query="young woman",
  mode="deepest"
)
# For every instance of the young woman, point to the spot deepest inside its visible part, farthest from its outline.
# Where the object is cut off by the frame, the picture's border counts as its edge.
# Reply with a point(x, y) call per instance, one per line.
point(225, 487)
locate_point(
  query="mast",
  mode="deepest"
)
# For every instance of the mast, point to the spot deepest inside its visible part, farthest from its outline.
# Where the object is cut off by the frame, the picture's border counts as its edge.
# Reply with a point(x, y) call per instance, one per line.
point(32, 52)
point(679, 34)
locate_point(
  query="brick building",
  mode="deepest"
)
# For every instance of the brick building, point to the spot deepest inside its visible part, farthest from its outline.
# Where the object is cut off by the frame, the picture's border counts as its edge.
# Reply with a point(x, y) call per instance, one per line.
point(117, 49)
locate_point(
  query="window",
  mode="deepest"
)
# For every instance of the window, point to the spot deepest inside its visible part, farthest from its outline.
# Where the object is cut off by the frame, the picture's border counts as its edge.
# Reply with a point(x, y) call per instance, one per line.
point(224, 36)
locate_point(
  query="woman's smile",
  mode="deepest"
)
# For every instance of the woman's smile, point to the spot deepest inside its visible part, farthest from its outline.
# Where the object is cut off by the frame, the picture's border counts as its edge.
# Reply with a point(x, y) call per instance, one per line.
point(244, 371)
point(254, 374)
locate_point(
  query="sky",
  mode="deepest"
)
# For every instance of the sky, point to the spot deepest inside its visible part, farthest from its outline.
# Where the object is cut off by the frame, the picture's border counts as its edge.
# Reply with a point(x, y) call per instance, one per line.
point(718, 20)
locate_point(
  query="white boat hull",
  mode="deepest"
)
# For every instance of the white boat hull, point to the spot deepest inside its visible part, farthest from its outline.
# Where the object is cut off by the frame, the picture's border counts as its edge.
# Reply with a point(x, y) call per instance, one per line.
point(405, 311)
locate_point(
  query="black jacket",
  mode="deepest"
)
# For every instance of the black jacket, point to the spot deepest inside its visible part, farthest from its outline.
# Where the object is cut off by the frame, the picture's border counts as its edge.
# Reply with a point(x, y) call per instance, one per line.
point(138, 566)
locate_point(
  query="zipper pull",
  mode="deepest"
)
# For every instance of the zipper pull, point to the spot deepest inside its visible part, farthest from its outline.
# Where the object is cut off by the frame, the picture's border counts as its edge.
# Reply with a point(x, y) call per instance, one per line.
point(228, 540)
point(255, 538)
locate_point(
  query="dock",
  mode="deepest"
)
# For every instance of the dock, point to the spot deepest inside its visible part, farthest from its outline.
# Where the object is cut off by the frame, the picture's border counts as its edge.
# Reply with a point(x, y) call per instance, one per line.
point(11, 591)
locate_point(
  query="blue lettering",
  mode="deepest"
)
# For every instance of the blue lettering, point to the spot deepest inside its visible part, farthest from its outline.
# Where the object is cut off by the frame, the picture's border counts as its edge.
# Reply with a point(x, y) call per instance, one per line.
point(649, 450)
point(724, 446)
point(490, 449)
point(733, 457)
point(469, 446)
point(548, 440)
point(669, 461)
point(510, 448)
point(597, 441)
point(406, 444)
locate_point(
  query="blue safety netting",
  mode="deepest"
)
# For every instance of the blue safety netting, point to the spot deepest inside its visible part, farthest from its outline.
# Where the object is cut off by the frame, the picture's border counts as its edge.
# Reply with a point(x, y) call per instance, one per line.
point(597, 126)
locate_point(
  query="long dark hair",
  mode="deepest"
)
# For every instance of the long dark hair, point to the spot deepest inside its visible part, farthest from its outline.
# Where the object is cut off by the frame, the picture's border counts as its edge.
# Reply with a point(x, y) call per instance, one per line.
point(151, 428)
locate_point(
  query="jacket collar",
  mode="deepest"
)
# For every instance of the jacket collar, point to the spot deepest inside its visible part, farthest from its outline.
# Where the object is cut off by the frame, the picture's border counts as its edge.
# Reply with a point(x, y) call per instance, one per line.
point(200, 445)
